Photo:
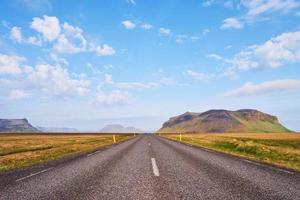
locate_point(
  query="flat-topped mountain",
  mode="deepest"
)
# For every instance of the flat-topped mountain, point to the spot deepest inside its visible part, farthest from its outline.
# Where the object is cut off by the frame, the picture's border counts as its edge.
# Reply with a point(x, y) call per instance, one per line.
point(216, 121)
point(117, 128)
point(16, 125)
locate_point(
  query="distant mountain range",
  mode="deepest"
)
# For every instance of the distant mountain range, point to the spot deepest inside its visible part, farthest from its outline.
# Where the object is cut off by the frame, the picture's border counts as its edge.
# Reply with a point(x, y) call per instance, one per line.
point(211, 121)
point(16, 125)
point(22, 125)
point(56, 129)
point(117, 128)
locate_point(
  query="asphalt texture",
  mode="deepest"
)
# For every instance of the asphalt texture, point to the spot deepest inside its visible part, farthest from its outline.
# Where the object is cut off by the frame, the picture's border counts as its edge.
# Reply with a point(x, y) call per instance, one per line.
point(151, 167)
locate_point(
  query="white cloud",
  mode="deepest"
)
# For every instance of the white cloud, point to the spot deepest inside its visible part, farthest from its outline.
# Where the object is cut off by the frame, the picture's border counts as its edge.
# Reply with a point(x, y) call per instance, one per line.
point(215, 56)
point(146, 26)
point(16, 34)
point(164, 31)
point(207, 3)
point(277, 51)
point(104, 50)
point(71, 30)
point(64, 37)
point(232, 22)
point(205, 31)
point(10, 64)
point(229, 4)
point(108, 79)
point(108, 66)
point(93, 69)
point(43, 79)
point(257, 10)
point(230, 73)
point(58, 60)
point(63, 45)
point(137, 85)
point(36, 5)
point(71, 41)
point(119, 96)
point(128, 24)
point(34, 41)
point(265, 88)
point(18, 94)
point(259, 7)
point(112, 98)
point(133, 85)
point(124, 85)
point(55, 80)
point(243, 61)
point(131, 2)
point(181, 38)
point(49, 27)
point(194, 37)
point(199, 76)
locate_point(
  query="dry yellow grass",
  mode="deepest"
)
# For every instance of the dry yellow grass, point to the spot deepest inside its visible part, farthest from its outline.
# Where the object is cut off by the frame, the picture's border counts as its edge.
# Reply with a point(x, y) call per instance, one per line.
point(23, 150)
point(282, 149)
point(275, 136)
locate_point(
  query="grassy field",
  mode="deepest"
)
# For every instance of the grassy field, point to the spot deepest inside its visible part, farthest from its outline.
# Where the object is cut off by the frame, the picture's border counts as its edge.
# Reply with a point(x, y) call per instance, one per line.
point(282, 149)
point(24, 150)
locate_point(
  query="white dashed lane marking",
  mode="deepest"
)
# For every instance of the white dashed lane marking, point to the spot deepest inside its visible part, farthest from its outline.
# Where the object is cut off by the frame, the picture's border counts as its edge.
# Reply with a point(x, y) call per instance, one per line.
point(154, 167)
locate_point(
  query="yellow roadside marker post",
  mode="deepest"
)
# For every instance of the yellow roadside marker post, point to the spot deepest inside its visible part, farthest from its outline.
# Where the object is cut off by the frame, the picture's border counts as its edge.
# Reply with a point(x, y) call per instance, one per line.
point(114, 137)
point(180, 137)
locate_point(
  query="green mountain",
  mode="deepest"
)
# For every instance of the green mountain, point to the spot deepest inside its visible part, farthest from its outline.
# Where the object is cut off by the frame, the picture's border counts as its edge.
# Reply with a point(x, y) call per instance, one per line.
point(217, 121)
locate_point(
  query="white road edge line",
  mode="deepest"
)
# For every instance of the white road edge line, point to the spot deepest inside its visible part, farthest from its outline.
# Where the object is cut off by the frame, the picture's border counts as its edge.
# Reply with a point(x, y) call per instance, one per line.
point(208, 150)
point(270, 167)
point(34, 174)
point(91, 154)
point(154, 167)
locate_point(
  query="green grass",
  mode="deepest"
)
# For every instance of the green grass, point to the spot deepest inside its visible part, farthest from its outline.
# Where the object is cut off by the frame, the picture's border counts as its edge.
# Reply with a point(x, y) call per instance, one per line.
point(279, 149)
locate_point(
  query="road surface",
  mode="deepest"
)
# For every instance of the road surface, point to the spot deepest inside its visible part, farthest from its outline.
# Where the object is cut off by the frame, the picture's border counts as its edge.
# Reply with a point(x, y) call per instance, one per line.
point(150, 167)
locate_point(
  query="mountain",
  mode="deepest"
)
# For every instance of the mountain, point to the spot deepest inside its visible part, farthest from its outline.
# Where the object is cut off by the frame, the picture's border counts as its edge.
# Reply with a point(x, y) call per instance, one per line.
point(16, 125)
point(246, 120)
point(117, 128)
point(56, 129)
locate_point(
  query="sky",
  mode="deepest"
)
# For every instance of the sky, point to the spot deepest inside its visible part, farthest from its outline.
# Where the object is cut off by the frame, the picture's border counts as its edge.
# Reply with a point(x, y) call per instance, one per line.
point(88, 63)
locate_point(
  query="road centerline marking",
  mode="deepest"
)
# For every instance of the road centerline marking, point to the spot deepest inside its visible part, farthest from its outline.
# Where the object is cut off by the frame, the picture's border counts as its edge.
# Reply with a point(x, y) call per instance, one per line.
point(154, 167)
point(34, 174)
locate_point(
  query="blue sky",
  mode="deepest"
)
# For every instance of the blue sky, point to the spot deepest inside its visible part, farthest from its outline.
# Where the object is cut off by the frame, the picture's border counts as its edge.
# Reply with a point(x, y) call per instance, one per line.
point(86, 64)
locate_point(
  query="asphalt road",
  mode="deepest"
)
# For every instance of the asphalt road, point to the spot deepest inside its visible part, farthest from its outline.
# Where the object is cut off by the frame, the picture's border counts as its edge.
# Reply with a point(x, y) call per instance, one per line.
point(150, 167)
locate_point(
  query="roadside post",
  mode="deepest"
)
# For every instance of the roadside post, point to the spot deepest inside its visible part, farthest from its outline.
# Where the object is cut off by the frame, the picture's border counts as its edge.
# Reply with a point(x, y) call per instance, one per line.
point(114, 137)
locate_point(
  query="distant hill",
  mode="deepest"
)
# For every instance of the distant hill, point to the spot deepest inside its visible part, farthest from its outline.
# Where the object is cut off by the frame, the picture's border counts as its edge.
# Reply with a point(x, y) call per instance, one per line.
point(117, 128)
point(246, 120)
point(16, 125)
point(56, 129)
